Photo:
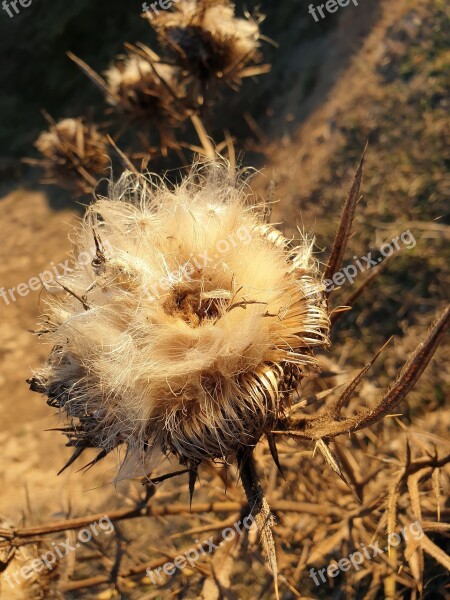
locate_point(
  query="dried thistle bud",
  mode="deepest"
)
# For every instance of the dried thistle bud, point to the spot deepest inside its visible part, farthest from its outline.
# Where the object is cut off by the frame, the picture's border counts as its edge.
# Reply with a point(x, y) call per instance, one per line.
point(146, 89)
point(73, 153)
point(209, 41)
point(191, 328)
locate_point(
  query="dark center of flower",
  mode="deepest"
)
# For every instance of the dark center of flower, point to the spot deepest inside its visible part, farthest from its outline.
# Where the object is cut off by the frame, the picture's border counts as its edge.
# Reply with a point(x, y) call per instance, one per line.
point(189, 306)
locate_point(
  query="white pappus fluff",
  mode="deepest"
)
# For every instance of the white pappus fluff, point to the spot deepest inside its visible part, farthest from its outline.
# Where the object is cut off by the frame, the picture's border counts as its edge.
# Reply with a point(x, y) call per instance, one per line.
point(190, 329)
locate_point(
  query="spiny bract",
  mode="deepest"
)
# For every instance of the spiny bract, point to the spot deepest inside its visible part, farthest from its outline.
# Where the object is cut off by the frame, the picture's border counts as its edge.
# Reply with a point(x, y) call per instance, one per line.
point(191, 327)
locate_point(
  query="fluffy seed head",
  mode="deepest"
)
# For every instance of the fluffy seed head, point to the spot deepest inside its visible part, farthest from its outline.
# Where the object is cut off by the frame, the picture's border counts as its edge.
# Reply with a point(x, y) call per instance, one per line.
point(191, 327)
point(145, 89)
point(209, 40)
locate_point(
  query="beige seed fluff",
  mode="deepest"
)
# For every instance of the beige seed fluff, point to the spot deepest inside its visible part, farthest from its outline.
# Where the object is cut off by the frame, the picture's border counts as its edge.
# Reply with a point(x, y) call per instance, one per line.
point(192, 326)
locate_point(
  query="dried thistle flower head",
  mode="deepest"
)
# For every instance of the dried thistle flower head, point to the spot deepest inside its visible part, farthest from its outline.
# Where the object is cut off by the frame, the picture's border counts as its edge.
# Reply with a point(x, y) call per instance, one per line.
point(145, 88)
point(39, 584)
point(209, 41)
point(73, 152)
point(192, 326)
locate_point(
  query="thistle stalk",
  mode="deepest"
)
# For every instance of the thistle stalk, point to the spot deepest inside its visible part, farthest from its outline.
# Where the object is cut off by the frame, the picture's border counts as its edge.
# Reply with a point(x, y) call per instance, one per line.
point(259, 507)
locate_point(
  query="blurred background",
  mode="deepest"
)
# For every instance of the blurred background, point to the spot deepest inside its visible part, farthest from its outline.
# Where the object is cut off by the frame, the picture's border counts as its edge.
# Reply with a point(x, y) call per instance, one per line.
point(377, 72)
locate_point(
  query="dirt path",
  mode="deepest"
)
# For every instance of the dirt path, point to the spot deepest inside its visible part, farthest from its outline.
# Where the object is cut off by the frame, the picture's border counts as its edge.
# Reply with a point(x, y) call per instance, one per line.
point(33, 236)
point(297, 163)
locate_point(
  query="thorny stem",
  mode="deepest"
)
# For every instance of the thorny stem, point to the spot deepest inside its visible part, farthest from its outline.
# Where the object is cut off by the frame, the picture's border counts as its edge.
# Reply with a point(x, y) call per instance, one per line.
point(259, 507)
point(327, 425)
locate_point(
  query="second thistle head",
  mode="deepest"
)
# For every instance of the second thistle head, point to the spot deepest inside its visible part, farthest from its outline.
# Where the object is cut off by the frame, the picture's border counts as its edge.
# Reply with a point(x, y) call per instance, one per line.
point(146, 89)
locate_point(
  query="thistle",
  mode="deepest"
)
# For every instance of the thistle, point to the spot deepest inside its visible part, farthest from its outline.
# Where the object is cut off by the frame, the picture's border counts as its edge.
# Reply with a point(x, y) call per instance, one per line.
point(197, 321)
point(192, 328)
point(144, 88)
point(209, 42)
point(39, 584)
point(74, 153)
